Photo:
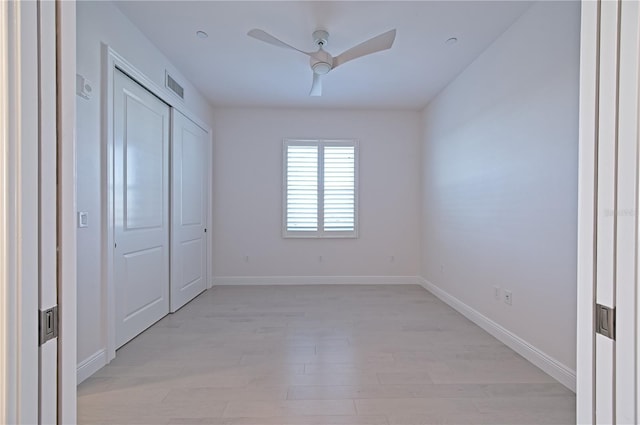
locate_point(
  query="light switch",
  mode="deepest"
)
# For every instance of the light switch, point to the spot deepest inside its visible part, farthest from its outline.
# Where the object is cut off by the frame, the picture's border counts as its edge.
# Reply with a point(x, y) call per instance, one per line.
point(83, 219)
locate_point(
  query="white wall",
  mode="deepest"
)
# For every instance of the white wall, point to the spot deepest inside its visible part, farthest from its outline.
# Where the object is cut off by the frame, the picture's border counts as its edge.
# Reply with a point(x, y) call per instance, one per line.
point(500, 181)
point(102, 22)
point(247, 193)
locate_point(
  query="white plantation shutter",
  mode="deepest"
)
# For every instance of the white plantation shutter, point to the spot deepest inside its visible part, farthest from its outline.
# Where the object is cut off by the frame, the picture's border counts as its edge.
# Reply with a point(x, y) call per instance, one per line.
point(339, 189)
point(302, 188)
point(320, 188)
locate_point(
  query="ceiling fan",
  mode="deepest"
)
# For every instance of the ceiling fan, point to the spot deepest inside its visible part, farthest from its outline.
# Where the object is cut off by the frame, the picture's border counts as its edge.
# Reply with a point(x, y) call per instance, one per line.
point(321, 61)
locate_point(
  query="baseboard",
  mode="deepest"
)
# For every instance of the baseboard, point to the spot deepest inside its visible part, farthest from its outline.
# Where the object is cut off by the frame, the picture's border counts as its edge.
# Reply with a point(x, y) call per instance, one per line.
point(91, 365)
point(316, 280)
point(548, 364)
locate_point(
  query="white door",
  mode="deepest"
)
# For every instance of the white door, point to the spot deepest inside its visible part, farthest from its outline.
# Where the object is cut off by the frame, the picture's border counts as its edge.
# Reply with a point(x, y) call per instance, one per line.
point(189, 194)
point(627, 183)
point(141, 213)
point(606, 198)
point(608, 253)
point(20, 127)
point(47, 209)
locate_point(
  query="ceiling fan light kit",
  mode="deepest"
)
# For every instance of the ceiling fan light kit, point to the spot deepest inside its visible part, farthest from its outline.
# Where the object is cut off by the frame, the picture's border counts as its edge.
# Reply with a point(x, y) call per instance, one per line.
point(321, 61)
point(321, 68)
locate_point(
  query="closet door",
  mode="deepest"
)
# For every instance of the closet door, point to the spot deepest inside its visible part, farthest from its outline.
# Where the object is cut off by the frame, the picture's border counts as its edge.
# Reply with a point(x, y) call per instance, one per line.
point(189, 189)
point(141, 213)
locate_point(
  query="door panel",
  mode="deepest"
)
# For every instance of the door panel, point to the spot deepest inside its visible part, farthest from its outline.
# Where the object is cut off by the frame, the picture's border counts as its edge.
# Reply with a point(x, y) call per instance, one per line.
point(614, 394)
point(190, 153)
point(192, 177)
point(141, 213)
point(140, 267)
point(48, 206)
point(144, 176)
point(191, 262)
point(606, 199)
point(627, 215)
point(19, 238)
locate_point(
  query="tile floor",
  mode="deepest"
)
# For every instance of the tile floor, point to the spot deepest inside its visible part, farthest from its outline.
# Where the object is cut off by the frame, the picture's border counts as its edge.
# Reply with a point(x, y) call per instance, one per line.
point(299, 355)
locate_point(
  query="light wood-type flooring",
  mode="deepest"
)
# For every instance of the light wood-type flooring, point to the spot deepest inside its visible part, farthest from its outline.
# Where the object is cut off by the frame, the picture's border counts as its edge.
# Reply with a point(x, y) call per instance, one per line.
point(300, 355)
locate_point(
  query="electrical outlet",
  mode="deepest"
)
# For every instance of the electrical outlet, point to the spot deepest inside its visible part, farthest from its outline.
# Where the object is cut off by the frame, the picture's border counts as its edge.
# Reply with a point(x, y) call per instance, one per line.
point(496, 293)
point(508, 297)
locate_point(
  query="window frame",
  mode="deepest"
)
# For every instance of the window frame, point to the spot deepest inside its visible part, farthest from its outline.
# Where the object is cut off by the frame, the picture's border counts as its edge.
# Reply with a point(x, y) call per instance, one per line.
point(320, 233)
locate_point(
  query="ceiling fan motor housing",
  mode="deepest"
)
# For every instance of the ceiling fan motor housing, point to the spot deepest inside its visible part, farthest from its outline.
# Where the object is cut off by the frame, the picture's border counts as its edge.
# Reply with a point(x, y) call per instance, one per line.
point(320, 37)
point(321, 62)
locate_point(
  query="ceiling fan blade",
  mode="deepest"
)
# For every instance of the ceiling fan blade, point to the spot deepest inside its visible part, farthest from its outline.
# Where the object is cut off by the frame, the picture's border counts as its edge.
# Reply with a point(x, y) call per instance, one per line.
point(268, 38)
point(316, 86)
point(381, 42)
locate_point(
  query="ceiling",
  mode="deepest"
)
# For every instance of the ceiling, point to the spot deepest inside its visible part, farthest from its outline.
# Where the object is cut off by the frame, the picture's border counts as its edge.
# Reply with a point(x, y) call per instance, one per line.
point(232, 69)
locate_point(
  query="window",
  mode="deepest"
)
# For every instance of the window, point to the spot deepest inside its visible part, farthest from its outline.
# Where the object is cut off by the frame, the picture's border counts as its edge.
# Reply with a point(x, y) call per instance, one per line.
point(320, 188)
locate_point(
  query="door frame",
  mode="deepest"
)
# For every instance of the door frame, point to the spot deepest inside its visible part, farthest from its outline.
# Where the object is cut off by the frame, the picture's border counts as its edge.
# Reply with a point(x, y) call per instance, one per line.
point(16, 323)
point(112, 61)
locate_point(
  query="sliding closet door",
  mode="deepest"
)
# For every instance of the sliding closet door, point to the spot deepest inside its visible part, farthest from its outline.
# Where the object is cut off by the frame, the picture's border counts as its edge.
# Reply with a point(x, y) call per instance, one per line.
point(141, 213)
point(189, 193)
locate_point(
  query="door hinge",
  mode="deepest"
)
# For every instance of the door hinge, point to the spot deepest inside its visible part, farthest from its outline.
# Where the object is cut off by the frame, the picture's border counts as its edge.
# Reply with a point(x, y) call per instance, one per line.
point(48, 324)
point(606, 321)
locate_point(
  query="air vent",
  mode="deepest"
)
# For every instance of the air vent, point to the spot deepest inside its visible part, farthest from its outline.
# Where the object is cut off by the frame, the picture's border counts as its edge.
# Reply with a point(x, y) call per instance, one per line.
point(173, 85)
